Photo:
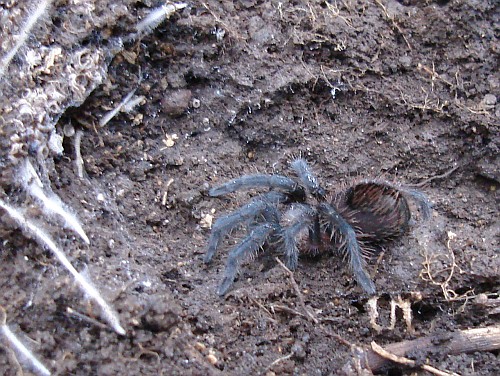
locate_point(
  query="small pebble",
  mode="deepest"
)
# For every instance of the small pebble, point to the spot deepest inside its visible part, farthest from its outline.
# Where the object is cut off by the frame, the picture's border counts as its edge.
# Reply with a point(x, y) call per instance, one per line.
point(298, 350)
point(68, 130)
point(55, 143)
point(489, 100)
point(206, 221)
point(200, 346)
point(170, 140)
point(212, 359)
point(176, 102)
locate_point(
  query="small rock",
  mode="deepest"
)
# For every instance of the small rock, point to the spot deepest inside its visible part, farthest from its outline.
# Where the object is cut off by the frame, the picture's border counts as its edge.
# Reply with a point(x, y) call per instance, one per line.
point(68, 130)
point(405, 61)
point(489, 101)
point(206, 221)
point(298, 350)
point(176, 102)
point(55, 143)
point(176, 80)
point(200, 346)
point(212, 359)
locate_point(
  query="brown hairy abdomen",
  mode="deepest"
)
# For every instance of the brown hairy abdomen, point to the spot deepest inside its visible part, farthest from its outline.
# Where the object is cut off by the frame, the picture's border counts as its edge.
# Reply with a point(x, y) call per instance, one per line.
point(377, 211)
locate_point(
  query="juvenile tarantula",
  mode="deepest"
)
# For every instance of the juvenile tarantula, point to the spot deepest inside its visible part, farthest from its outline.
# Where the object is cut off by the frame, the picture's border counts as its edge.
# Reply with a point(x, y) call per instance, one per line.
point(368, 212)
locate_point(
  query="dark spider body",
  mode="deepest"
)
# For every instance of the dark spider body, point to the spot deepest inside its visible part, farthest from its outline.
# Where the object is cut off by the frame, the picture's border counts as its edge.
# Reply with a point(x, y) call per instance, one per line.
point(369, 212)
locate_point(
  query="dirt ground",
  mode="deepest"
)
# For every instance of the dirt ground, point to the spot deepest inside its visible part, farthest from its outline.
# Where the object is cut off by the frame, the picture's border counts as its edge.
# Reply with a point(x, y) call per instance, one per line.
point(405, 90)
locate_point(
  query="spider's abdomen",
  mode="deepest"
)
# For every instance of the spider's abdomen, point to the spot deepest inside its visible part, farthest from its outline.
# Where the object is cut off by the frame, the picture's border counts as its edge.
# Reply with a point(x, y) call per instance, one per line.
point(376, 210)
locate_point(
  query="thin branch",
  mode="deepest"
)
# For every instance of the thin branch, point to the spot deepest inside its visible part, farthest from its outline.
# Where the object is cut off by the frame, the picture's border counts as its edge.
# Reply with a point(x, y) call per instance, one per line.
point(407, 362)
point(156, 17)
point(44, 240)
point(23, 35)
point(51, 204)
point(20, 351)
point(70, 311)
point(277, 307)
point(298, 292)
point(278, 361)
point(441, 176)
point(112, 113)
point(264, 309)
point(453, 343)
point(394, 23)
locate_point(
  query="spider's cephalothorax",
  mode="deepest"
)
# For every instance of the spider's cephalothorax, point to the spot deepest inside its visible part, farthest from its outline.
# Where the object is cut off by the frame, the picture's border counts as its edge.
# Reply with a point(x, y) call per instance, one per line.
point(368, 212)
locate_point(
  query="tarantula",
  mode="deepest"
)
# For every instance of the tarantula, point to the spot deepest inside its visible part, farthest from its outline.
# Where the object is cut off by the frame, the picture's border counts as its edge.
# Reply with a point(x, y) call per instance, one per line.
point(368, 212)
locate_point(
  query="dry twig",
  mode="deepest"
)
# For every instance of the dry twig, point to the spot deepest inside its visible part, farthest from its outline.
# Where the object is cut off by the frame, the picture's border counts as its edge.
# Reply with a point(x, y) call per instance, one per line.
point(20, 353)
point(278, 361)
point(441, 176)
point(407, 362)
point(394, 23)
point(298, 292)
point(80, 166)
point(434, 75)
point(34, 16)
point(282, 308)
point(71, 312)
point(262, 307)
point(32, 229)
point(453, 343)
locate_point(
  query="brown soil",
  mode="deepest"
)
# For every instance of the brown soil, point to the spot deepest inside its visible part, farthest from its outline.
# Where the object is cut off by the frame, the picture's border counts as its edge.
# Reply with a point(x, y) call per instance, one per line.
point(404, 89)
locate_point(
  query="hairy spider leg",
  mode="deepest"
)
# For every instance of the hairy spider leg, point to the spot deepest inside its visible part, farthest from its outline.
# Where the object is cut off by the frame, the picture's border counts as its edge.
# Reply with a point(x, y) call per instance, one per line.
point(303, 218)
point(260, 205)
point(315, 232)
point(335, 223)
point(249, 245)
point(270, 212)
point(256, 181)
point(422, 200)
point(307, 178)
point(271, 215)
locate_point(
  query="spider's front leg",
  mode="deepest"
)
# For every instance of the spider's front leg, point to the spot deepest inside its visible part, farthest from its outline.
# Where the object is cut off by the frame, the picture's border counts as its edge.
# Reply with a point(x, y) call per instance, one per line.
point(336, 224)
point(262, 205)
point(308, 179)
point(289, 186)
point(248, 246)
point(300, 218)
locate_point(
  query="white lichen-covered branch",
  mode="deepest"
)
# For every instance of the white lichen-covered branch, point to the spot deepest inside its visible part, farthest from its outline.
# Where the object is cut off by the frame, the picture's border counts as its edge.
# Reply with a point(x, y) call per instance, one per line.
point(32, 229)
point(23, 354)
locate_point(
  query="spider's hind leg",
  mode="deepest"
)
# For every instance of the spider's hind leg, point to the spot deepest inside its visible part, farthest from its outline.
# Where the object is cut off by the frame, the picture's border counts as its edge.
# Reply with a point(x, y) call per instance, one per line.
point(336, 223)
point(248, 246)
point(422, 201)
